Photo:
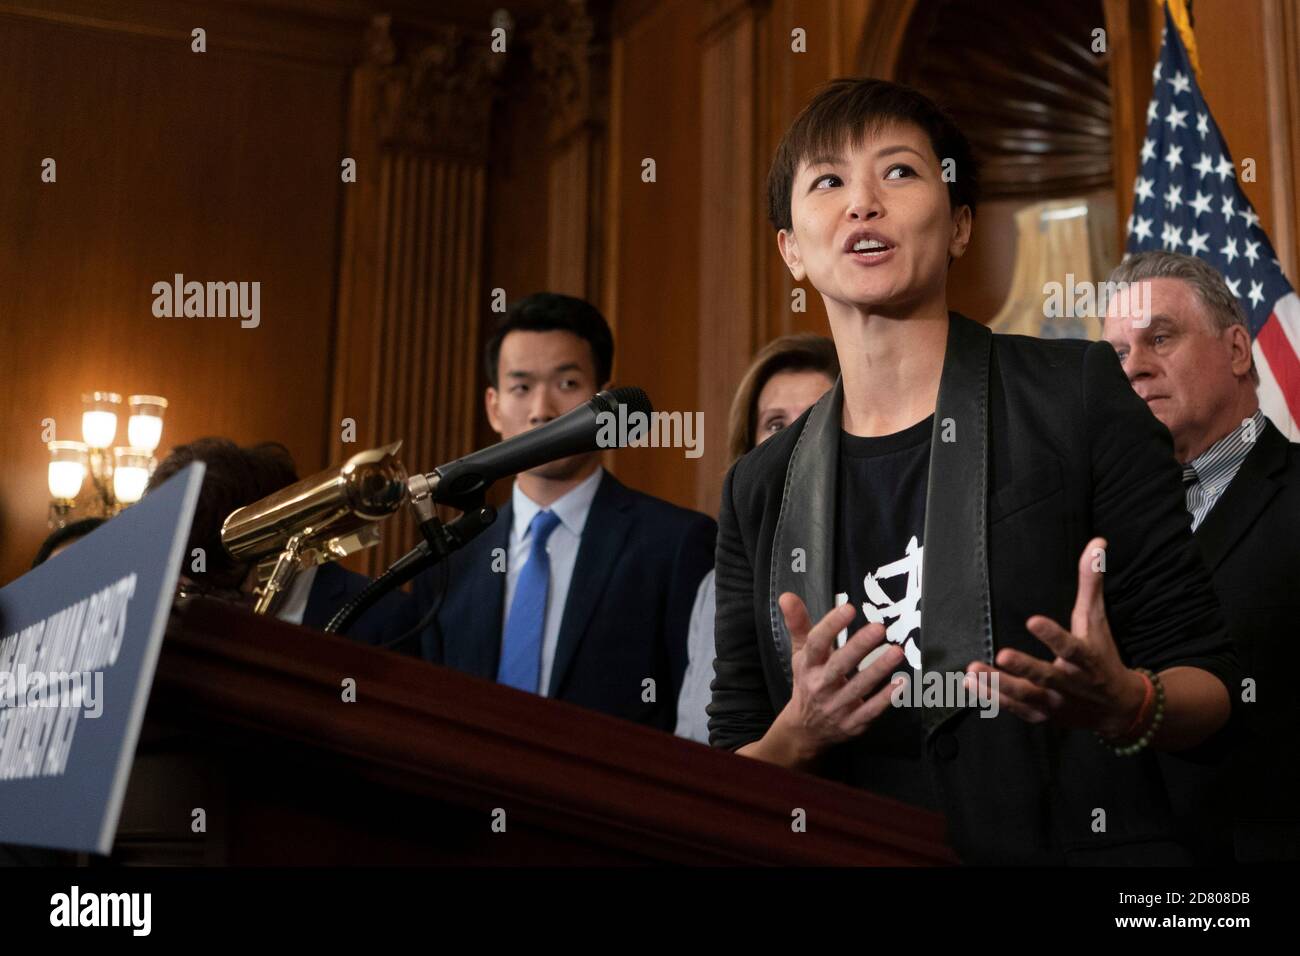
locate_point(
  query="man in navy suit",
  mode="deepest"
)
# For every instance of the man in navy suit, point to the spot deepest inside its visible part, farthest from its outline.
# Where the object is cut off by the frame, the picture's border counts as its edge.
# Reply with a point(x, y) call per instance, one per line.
point(582, 589)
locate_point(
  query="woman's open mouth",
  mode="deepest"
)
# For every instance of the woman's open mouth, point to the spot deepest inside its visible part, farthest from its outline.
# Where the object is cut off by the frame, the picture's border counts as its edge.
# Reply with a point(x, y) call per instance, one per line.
point(871, 251)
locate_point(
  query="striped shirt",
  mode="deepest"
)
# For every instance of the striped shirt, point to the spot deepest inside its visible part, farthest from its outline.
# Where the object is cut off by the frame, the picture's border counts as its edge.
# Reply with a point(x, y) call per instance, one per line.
point(1207, 476)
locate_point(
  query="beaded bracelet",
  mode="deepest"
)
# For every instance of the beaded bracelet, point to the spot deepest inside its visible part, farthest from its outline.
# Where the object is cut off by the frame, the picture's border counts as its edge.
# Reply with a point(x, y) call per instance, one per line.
point(1127, 750)
point(1143, 711)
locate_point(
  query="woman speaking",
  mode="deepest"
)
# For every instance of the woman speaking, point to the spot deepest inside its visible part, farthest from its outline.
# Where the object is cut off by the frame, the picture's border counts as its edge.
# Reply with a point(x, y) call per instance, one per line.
point(998, 509)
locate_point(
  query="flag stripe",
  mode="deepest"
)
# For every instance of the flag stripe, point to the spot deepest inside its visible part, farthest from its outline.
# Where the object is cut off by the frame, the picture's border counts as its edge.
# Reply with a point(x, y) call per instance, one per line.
point(1282, 362)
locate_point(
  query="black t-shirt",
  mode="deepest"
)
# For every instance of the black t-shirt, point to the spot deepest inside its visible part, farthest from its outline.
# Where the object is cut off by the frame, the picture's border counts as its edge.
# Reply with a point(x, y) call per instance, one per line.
point(879, 541)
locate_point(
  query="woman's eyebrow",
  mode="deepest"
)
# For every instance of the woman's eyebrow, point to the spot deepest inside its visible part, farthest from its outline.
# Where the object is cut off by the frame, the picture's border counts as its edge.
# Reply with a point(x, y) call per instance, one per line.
point(824, 160)
point(899, 148)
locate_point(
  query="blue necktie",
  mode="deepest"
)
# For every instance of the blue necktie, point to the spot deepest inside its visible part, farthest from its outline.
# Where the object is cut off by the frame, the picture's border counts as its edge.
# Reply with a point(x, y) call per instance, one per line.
point(521, 651)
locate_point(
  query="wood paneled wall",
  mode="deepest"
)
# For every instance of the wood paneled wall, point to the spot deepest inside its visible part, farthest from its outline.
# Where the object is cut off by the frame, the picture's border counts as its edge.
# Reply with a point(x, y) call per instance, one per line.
point(652, 287)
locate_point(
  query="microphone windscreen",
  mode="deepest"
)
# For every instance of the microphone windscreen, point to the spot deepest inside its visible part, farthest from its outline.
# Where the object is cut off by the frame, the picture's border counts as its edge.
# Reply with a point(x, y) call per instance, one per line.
point(634, 398)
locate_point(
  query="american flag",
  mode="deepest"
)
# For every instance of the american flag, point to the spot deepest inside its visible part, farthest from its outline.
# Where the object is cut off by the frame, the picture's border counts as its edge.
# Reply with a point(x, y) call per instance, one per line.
point(1187, 199)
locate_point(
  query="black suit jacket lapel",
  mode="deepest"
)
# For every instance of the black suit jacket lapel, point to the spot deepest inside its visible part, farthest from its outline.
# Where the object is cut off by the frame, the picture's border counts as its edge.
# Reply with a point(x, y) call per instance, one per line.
point(477, 648)
point(807, 522)
point(606, 529)
point(1244, 500)
point(956, 616)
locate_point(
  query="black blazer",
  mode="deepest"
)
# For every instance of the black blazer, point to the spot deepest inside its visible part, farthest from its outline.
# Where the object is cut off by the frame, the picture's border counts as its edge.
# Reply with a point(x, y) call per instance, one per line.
point(626, 617)
point(1051, 447)
point(1250, 541)
point(334, 586)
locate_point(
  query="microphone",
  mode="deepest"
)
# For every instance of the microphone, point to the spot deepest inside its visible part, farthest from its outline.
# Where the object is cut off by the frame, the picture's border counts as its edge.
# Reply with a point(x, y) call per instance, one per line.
point(328, 516)
point(330, 505)
point(573, 433)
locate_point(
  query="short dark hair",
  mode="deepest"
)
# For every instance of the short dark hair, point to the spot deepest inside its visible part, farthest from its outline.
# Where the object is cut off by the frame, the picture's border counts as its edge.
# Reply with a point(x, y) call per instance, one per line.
point(553, 312)
point(69, 532)
point(273, 467)
point(235, 477)
point(844, 112)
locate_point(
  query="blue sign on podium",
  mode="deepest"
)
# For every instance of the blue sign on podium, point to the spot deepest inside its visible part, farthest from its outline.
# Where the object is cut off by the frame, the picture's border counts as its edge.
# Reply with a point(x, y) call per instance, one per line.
point(79, 640)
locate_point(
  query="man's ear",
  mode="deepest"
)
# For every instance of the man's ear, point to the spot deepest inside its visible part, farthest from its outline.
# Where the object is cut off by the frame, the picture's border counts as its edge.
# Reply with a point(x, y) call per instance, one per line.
point(789, 248)
point(491, 402)
point(961, 226)
point(1239, 339)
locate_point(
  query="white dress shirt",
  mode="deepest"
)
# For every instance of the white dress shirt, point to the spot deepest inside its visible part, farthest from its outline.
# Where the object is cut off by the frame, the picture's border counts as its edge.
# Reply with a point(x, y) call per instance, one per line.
point(1207, 476)
point(697, 683)
point(294, 604)
point(572, 509)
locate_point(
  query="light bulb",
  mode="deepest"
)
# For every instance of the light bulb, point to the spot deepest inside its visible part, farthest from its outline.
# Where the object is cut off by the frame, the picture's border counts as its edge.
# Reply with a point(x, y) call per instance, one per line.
point(144, 431)
point(144, 427)
point(66, 478)
point(67, 469)
point(98, 428)
point(129, 482)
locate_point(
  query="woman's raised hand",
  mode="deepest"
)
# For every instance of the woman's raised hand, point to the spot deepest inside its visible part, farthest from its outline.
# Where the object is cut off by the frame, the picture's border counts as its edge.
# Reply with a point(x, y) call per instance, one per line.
point(833, 700)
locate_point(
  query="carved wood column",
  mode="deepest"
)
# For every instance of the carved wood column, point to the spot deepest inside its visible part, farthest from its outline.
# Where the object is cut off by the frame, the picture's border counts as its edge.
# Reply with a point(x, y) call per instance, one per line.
point(407, 348)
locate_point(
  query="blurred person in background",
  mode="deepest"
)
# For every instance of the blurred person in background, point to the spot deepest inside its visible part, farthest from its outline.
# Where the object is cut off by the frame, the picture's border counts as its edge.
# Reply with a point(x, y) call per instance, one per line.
point(62, 538)
point(785, 379)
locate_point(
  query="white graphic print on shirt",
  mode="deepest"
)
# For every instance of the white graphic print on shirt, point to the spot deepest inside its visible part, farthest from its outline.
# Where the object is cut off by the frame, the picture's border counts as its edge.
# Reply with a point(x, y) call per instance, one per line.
point(902, 618)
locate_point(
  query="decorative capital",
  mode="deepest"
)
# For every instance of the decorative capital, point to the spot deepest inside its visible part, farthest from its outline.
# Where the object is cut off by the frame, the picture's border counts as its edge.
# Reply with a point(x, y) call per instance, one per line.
point(380, 48)
point(564, 51)
point(435, 92)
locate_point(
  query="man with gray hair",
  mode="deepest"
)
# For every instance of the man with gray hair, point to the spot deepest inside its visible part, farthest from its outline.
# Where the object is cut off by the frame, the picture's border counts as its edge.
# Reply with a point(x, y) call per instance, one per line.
point(1182, 339)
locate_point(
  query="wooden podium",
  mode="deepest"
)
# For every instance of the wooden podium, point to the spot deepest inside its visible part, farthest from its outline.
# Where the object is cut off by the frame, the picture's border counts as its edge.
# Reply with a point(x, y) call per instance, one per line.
point(248, 733)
